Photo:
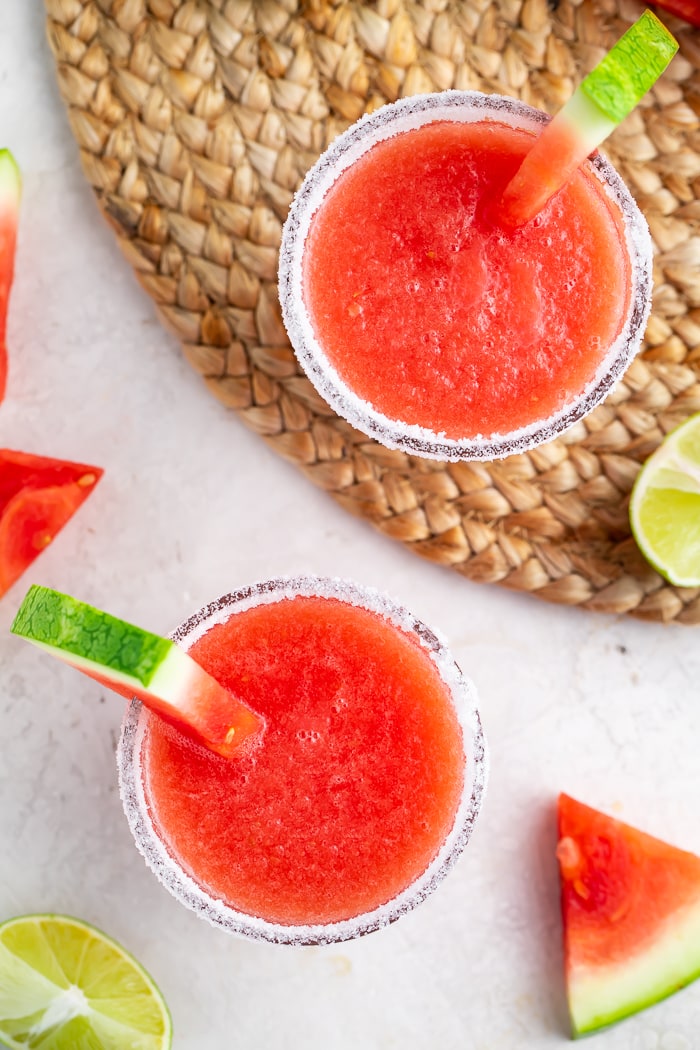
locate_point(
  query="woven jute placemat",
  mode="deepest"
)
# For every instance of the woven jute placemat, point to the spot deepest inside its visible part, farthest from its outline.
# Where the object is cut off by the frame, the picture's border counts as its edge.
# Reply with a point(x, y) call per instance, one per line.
point(196, 121)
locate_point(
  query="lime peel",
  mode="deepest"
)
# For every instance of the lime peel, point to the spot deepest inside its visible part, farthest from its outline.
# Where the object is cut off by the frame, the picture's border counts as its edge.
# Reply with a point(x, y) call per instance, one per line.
point(665, 506)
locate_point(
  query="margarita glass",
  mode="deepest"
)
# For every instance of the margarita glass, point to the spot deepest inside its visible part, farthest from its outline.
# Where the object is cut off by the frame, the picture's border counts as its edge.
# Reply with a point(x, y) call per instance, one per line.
point(360, 793)
point(425, 321)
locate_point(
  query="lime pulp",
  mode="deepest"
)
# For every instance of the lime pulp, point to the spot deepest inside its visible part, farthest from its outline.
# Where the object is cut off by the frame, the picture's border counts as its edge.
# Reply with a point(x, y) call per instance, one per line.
point(665, 506)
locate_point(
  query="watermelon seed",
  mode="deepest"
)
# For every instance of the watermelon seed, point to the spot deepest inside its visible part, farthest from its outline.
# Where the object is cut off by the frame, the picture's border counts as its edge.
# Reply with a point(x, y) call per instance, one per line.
point(569, 856)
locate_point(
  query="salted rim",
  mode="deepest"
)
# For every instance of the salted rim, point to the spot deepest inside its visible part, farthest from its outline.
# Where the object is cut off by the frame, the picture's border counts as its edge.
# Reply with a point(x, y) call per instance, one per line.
point(406, 114)
point(215, 911)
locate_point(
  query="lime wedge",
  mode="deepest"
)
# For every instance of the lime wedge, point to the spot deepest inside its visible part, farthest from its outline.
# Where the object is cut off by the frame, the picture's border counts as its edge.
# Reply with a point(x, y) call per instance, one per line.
point(630, 68)
point(665, 506)
point(66, 986)
point(136, 663)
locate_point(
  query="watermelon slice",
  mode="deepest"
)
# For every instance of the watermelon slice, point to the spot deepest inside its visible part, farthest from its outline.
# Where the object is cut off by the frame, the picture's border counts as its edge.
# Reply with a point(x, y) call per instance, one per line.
point(631, 911)
point(136, 663)
point(601, 101)
point(38, 495)
point(10, 192)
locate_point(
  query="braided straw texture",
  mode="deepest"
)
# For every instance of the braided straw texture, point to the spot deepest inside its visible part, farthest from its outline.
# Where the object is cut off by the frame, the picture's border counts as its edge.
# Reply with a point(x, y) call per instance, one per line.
point(196, 121)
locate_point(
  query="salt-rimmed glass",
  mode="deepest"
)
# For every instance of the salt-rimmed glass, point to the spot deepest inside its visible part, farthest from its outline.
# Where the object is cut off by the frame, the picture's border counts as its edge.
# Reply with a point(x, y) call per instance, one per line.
point(186, 889)
point(405, 115)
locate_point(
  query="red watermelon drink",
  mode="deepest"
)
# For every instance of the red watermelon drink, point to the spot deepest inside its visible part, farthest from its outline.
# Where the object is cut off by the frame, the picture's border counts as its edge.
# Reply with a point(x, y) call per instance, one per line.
point(354, 801)
point(427, 321)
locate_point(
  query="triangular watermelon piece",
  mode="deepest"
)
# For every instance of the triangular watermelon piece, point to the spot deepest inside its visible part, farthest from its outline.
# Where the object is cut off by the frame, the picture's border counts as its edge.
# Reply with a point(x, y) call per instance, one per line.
point(38, 495)
point(631, 911)
point(10, 192)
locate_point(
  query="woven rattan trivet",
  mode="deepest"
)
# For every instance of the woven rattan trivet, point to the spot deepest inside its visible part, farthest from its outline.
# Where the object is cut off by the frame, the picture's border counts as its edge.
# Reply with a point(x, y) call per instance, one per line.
point(196, 121)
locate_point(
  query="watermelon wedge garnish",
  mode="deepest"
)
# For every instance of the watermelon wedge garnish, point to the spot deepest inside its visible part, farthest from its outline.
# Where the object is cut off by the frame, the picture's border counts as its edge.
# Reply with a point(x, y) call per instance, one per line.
point(601, 101)
point(38, 495)
point(631, 912)
point(136, 663)
point(10, 193)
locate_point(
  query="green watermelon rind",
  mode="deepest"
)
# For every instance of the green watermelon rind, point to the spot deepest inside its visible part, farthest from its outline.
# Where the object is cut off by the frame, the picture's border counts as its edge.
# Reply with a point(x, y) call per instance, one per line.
point(630, 68)
point(91, 639)
point(169, 682)
point(10, 181)
point(602, 996)
point(587, 120)
point(138, 665)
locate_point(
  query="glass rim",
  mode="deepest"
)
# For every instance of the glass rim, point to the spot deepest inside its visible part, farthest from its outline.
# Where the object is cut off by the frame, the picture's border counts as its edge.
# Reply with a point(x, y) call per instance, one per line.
point(416, 111)
point(186, 890)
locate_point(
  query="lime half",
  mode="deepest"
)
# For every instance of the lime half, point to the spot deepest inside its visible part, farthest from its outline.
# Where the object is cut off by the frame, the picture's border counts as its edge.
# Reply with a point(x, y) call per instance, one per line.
point(665, 506)
point(66, 986)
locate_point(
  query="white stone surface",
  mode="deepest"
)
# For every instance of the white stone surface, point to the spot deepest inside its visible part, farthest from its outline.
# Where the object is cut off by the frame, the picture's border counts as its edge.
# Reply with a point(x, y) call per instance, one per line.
point(191, 505)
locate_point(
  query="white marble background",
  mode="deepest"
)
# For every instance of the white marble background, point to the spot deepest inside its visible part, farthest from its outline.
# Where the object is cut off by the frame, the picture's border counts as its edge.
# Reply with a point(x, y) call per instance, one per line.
point(191, 505)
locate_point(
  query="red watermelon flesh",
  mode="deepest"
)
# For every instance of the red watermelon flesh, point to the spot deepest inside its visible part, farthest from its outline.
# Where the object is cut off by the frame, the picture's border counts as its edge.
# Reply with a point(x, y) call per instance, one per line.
point(38, 495)
point(688, 10)
point(10, 192)
point(631, 912)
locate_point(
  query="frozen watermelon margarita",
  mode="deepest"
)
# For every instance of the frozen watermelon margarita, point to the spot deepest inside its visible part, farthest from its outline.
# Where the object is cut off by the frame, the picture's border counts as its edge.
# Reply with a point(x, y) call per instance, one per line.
point(357, 796)
point(426, 319)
